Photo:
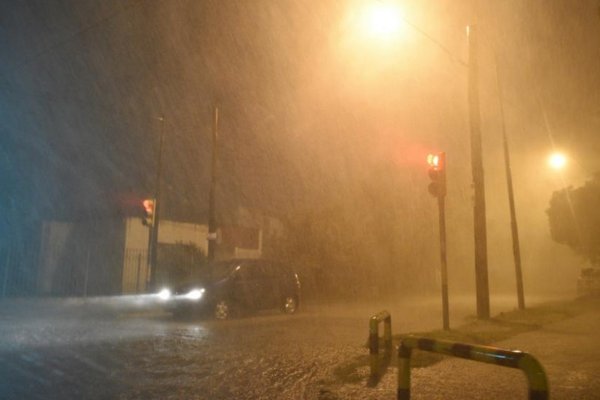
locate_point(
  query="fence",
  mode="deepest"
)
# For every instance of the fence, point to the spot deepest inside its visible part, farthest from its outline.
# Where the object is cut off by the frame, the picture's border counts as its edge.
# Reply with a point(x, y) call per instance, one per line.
point(18, 270)
point(135, 271)
point(536, 377)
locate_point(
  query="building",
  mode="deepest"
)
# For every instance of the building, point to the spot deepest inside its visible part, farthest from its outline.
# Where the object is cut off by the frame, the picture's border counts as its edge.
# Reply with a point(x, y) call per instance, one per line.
point(110, 256)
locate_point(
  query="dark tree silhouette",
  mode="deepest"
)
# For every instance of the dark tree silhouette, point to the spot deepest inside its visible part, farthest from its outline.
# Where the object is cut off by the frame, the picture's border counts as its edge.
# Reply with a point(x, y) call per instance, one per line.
point(574, 217)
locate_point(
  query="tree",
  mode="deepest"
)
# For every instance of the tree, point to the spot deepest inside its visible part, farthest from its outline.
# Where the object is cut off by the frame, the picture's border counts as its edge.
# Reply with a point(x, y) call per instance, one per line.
point(574, 217)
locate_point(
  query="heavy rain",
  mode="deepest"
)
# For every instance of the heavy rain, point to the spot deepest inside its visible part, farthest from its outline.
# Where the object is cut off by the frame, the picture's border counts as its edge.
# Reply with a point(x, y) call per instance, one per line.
point(210, 199)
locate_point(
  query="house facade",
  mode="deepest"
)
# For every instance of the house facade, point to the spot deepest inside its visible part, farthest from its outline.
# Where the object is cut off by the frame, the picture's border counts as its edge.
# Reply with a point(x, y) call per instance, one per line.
point(110, 256)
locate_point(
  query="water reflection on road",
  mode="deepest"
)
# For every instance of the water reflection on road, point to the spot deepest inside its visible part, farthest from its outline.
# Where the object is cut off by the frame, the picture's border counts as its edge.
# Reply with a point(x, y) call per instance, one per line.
point(123, 348)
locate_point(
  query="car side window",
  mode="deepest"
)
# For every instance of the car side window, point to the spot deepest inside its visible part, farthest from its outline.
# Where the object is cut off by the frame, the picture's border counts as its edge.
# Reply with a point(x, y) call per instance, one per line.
point(260, 271)
point(277, 270)
point(244, 272)
point(267, 269)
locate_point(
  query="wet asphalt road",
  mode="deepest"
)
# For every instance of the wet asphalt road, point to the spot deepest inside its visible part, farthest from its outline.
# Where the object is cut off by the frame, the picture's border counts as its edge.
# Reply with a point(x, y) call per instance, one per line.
point(117, 349)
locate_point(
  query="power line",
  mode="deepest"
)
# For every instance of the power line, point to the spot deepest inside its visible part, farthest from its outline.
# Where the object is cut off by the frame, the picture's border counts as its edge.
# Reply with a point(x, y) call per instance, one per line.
point(439, 44)
point(82, 31)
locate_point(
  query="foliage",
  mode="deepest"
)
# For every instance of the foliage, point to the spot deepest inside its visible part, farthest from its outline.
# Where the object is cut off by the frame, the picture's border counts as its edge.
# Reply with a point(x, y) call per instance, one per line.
point(574, 217)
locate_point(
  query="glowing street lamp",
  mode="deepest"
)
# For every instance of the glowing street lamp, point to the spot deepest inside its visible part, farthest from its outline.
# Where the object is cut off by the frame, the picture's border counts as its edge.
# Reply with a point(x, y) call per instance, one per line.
point(381, 20)
point(557, 161)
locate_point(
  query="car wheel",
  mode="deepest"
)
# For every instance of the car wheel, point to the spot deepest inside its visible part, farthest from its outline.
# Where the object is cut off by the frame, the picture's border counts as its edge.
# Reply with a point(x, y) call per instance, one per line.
point(289, 305)
point(222, 310)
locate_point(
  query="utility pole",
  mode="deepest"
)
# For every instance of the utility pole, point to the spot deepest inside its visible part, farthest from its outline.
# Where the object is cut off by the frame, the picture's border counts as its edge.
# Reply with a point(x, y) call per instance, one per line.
point(479, 219)
point(511, 201)
point(212, 219)
point(153, 239)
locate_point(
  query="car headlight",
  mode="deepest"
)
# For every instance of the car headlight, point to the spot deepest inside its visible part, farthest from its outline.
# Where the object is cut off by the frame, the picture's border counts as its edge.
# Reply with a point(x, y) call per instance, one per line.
point(194, 294)
point(164, 294)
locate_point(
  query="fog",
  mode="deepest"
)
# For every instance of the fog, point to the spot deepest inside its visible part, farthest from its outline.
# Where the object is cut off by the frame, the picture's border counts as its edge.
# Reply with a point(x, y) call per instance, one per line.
point(318, 125)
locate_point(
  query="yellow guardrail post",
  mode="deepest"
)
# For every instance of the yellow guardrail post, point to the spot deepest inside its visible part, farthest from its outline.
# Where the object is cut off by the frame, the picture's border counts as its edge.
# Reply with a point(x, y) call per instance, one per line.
point(536, 376)
point(374, 321)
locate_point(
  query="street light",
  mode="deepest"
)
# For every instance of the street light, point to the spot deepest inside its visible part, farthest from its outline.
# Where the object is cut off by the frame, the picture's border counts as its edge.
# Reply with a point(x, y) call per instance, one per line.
point(374, 26)
point(381, 20)
point(557, 161)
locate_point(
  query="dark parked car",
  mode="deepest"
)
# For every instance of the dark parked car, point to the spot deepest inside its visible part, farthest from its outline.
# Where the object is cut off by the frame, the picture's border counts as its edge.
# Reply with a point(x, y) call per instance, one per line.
point(238, 286)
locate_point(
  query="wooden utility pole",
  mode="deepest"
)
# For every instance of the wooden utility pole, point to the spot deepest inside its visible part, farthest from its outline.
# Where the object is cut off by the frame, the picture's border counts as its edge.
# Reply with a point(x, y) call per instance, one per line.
point(511, 201)
point(479, 218)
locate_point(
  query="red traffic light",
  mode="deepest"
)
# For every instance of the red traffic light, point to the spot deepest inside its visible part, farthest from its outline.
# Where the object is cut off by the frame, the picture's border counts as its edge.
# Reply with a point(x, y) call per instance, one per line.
point(148, 218)
point(434, 160)
point(148, 206)
point(437, 174)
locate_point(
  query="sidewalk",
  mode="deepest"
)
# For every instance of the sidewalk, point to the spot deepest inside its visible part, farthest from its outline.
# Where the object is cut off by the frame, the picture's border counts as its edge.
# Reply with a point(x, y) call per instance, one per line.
point(569, 351)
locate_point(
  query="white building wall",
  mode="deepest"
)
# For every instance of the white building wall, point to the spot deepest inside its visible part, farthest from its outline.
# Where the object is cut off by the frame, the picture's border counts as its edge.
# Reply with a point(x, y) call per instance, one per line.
point(181, 232)
point(136, 234)
point(135, 263)
point(54, 239)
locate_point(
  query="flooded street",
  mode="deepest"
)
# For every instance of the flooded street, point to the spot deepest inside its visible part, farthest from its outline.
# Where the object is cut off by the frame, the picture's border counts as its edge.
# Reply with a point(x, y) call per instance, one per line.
point(109, 348)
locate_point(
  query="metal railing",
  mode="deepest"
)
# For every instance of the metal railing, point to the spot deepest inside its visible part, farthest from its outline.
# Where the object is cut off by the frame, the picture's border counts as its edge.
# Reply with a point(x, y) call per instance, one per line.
point(385, 318)
point(536, 377)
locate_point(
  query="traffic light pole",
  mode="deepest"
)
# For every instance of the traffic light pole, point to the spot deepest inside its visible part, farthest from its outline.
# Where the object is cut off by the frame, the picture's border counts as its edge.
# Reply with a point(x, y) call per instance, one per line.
point(437, 188)
point(479, 219)
point(444, 262)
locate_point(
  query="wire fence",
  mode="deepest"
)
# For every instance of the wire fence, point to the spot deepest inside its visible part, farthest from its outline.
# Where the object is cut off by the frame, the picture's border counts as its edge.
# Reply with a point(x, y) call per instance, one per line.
point(135, 271)
point(17, 270)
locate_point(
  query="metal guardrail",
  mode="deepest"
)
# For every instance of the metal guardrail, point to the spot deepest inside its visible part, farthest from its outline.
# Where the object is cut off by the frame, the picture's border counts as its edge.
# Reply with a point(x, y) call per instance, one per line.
point(385, 318)
point(536, 377)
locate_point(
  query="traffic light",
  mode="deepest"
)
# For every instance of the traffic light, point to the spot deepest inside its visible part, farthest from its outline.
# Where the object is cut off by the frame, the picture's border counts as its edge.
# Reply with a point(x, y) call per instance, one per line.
point(148, 218)
point(437, 173)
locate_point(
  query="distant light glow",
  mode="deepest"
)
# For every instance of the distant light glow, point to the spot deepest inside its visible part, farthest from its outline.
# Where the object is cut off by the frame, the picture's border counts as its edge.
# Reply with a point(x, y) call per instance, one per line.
point(164, 294)
point(381, 20)
point(557, 161)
